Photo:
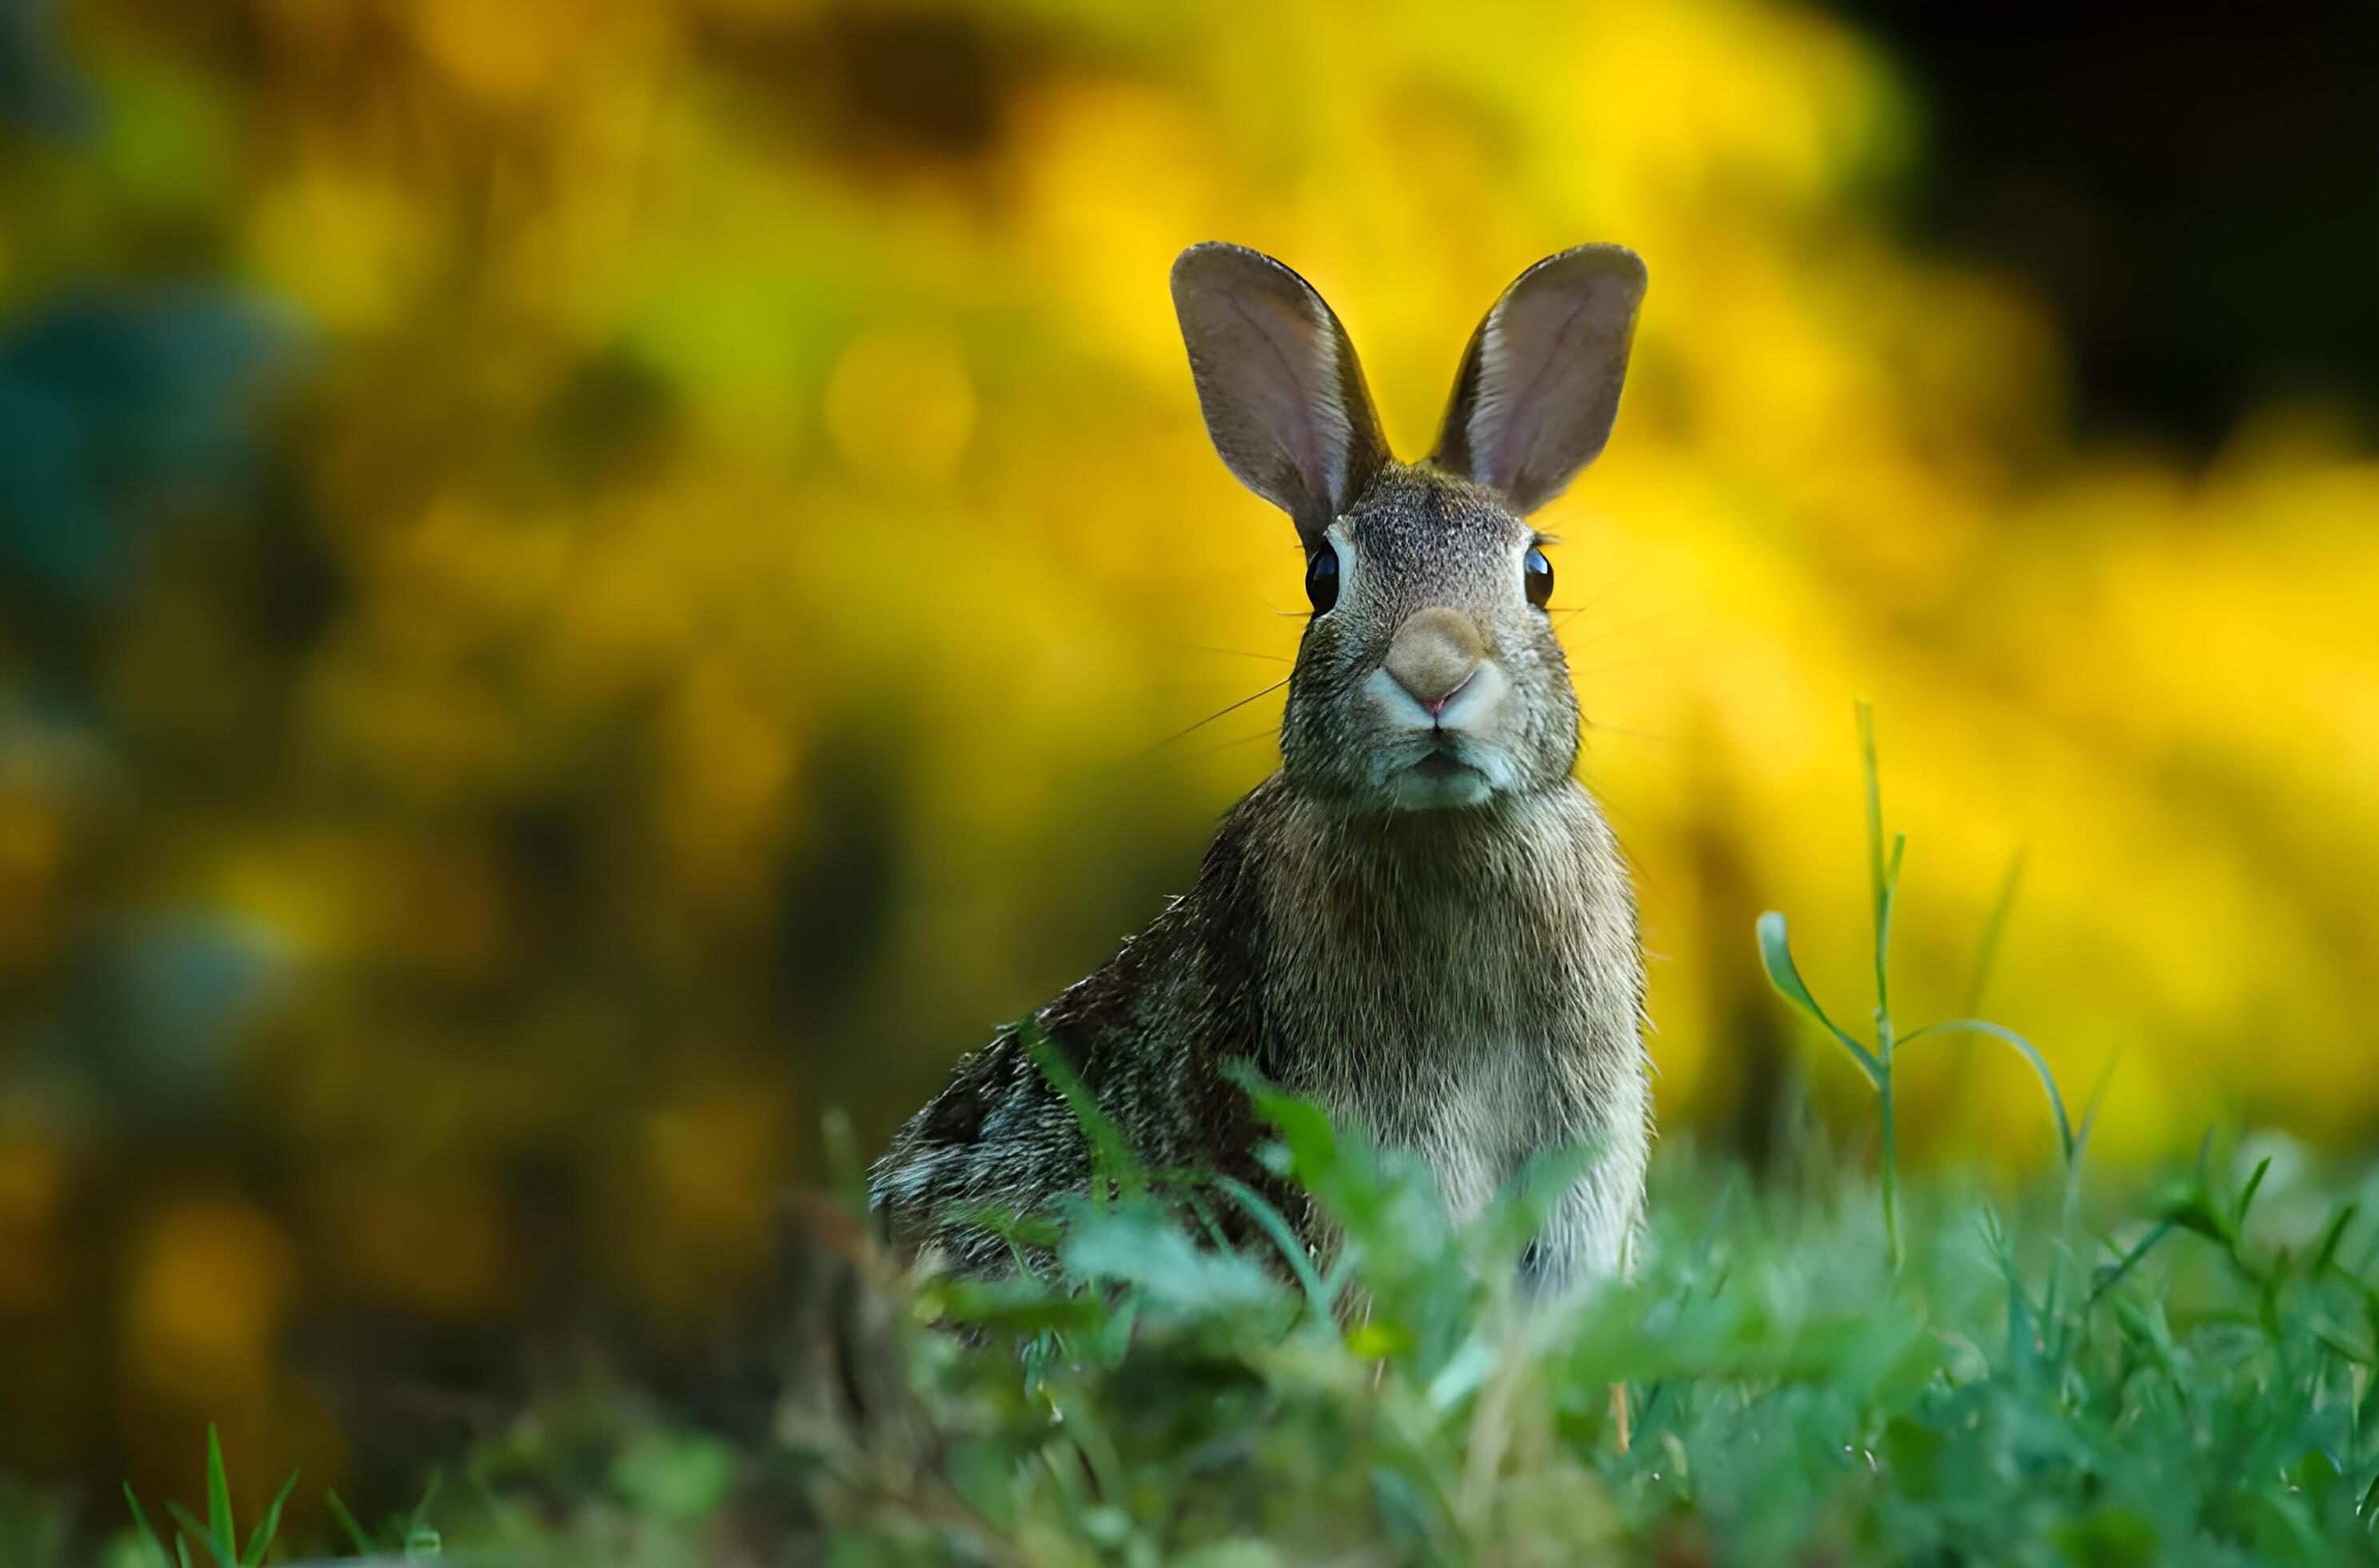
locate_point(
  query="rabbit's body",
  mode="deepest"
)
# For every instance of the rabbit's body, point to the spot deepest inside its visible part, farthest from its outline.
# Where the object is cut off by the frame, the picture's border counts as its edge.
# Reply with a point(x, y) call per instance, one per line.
point(1422, 922)
point(1521, 1033)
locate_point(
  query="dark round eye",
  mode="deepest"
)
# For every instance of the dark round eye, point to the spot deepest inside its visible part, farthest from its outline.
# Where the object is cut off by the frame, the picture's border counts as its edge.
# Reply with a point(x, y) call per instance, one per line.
point(1321, 579)
point(1537, 577)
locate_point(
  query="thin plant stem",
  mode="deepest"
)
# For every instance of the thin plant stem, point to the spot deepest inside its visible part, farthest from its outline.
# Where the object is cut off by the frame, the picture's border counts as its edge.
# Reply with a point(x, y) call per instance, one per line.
point(1884, 877)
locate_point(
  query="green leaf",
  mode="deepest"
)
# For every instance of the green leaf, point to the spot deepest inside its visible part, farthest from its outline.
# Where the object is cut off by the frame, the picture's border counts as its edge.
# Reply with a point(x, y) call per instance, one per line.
point(2188, 1206)
point(681, 1476)
point(1987, 947)
point(2090, 1111)
point(1230, 1554)
point(2023, 1048)
point(140, 1521)
point(1276, 1225)
point(2361, 1354)
point(2109, 1538)
point(2247, 1195)
point(417, 1524)
point(2110, 1275)
point(2023, 1317)
point(1016, 1305)
point(1914, 1451)
point(1041, 1231)
point(1303, 1125)
point(355, 1532)
point(1111, 1156)
point(1776, 956)
point(2332, 1235)
point(266, 1527)
point(1138, 1245)
point(1519, 1210)
point(1378, 1339)
point(2315, 1474)
point(219, 1525)
point(191, 1527)
point(1883, 925)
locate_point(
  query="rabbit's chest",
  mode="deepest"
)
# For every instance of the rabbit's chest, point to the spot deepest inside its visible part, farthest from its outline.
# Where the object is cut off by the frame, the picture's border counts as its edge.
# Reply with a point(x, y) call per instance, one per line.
point(1481, 1118)
point(1449, 1032)
point(1473, 1009)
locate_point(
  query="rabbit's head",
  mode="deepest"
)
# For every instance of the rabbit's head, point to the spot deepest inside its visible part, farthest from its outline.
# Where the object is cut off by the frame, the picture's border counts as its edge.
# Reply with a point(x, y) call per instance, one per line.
point(1430, 675)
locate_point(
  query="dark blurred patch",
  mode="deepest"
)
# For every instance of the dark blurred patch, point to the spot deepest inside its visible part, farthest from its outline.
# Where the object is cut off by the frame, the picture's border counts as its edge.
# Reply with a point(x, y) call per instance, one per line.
point(2195, 191)
point(877, 84)
point(109, 405)
point(610, 420)
point(549, 843)
point(37, 93)
point(925, 82)
point(299, 591)
point(837, 894)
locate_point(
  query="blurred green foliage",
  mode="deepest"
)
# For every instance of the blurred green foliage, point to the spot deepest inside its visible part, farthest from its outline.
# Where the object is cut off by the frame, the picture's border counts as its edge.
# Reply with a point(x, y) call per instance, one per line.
point(578, 585)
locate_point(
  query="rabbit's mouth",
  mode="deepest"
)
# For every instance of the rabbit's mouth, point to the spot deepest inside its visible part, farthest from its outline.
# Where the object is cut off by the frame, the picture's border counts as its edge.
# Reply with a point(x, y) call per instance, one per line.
point(1449, 752)
point(1440, 777)
point(1441, 765)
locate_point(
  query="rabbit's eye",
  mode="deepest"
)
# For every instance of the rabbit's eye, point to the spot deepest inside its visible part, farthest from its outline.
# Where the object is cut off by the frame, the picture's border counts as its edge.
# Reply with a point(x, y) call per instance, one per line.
point(1321, 579)
point(1537, 577)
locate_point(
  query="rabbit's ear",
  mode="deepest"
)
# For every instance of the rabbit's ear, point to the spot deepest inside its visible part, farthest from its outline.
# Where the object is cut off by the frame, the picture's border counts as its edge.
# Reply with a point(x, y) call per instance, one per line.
point(1283, 397)
point(1540, 382)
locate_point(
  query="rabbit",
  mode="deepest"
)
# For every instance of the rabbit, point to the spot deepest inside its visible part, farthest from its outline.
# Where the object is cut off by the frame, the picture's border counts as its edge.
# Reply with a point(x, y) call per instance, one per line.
point(1421, 921)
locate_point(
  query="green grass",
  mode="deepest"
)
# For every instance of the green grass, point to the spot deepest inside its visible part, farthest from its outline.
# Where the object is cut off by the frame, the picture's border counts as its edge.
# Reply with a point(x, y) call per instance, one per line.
point(1819, 1365)
point(2184, 1375)
point(1876, 1061)
point(217, 1536)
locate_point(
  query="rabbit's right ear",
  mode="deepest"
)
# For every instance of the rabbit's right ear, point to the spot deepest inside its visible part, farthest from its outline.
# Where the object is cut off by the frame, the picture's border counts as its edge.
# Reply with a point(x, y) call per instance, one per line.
point(1539, 386)
point(1282, 395)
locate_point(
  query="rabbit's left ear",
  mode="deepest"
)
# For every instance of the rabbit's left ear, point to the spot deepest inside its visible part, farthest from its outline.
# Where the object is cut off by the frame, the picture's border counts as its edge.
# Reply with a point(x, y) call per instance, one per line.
point(1282, 395)
point(1539, 386)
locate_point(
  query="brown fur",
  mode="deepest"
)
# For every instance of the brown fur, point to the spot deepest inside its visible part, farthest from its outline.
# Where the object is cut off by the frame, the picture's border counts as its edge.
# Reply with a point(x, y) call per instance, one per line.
point(1422, 922)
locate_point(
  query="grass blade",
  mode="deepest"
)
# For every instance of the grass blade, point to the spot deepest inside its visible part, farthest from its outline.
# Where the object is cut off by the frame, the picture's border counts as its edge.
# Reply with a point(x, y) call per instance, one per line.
point(1304, 1128)
point(2247, 1194)
point(191, 1527)
point(2023, 1048)
point(1876, 884)
point(1776, 957)
point(267, 1527)
point(2090, 1108)
point(1111, 1156)
point(2326, 1251)
point(2112, 1276)
point(417, 1524)
point(1274, 1224)
point(141, 1523)
point(355, 1532)
point(1987, 947)
point(1883, 931)
point(219, 1525)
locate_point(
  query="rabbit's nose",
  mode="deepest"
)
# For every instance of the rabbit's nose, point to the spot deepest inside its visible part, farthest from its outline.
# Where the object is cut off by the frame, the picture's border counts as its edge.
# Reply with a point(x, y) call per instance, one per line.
point(1434, 652)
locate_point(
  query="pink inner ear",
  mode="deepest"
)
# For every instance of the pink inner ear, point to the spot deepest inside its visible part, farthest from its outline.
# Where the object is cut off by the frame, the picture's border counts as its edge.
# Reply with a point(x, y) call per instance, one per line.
point(1551, 357)
point(1287, 381)
point(1546, 324)
point(1283, 395)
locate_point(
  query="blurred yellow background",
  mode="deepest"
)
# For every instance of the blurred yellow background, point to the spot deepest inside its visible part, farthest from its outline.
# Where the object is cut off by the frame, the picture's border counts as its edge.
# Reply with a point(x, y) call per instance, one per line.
point(660, 590)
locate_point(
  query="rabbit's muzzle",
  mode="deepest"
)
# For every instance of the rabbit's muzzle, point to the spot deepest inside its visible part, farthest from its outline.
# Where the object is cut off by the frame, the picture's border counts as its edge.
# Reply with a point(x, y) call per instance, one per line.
point(1440, 700)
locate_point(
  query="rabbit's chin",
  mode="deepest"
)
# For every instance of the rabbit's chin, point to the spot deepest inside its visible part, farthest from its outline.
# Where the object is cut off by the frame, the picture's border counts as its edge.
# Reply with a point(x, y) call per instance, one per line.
point(1439, 778)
